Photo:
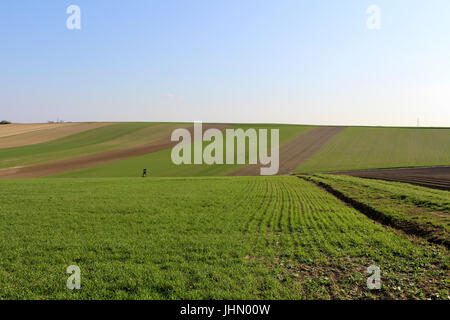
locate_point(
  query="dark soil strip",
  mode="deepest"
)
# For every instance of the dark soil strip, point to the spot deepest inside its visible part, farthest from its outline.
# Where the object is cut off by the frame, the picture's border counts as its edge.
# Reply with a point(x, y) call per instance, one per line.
point(431, 177)
point(408, 227)
point(95, 159)
point(296, 151)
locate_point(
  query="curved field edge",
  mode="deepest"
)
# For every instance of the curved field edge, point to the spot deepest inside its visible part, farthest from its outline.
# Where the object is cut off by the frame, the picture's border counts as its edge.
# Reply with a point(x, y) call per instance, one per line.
point(296, 151)
point(416, 210)
point(159, 164)
point(45, 132)
point(14, 129)
point(111, 137)
point(202, 238)
point(379, 147)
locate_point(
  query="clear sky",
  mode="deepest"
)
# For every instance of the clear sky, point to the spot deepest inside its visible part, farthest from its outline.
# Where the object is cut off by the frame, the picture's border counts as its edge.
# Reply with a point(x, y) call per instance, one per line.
point(313, 62)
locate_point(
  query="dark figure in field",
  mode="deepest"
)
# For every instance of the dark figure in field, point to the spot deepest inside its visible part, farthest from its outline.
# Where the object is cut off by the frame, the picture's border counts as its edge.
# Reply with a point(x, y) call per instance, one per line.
point(144, 173)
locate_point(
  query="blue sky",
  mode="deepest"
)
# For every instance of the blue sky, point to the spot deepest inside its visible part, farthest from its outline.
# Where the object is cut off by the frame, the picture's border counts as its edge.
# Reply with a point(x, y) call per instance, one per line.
point(312, 62)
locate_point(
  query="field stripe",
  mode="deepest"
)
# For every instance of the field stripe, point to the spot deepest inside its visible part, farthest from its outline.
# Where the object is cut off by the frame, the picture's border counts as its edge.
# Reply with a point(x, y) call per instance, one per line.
point(296, 151)
point(44, 133)
point(431, 177)
point(90, 160)
point(381, 147)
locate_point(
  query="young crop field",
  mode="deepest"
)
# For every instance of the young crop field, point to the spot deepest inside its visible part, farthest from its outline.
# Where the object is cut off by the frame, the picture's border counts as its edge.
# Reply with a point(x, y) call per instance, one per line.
point(160, 164)
point(109, 137)
point(203, 238)
point(423, 210)
point(323, 149)
point(367, 148)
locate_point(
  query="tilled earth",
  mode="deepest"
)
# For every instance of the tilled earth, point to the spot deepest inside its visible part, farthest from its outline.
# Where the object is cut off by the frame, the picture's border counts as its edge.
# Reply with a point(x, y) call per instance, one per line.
point(432, 177)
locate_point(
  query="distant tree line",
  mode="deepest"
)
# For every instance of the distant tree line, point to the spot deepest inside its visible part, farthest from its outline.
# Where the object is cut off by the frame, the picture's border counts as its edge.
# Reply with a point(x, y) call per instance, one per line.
point(5, 122)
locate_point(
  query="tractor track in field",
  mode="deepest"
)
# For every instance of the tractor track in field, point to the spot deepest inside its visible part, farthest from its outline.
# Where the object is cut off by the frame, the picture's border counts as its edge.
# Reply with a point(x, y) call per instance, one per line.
point(296, 151)
point(86, 161)
point(431, 177)
point(408, 227)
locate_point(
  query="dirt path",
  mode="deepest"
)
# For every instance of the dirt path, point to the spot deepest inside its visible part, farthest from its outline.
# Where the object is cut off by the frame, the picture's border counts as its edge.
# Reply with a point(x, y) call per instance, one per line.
point(90, 160)
point(432, 177)
point(27, 134)
point(296, 151)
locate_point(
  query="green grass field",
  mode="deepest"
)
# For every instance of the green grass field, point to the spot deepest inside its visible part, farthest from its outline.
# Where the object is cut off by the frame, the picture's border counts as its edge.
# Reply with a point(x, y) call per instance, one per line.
point(367, 148)
point(202, 238)
point(177, 236)
point(354, 148)
point(160, 164)
point(402, 202)
point(114, 136)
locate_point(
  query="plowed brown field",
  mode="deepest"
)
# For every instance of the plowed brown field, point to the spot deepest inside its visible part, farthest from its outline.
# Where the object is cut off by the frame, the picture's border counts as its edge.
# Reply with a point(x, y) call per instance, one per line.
point(296, 151)
point(432, 177)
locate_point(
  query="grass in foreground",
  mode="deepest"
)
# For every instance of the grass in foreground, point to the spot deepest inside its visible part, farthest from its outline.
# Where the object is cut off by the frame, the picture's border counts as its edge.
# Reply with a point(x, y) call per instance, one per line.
point(368, 148)
point(426, 209)
point(202, 238)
